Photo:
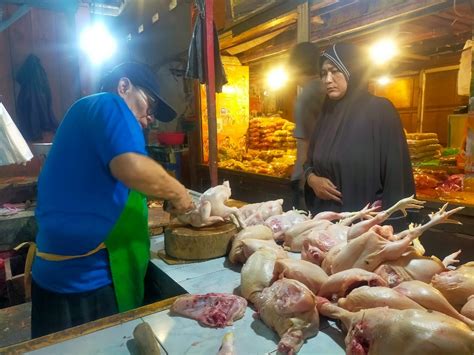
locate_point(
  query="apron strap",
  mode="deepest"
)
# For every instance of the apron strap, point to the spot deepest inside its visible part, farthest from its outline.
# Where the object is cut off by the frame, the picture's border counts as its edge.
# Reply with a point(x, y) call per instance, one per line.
point(28, 264)
point(32, 251)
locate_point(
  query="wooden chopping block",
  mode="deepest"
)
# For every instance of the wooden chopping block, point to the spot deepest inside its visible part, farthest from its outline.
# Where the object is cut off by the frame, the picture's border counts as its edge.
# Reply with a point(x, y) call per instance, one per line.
point(190, 243)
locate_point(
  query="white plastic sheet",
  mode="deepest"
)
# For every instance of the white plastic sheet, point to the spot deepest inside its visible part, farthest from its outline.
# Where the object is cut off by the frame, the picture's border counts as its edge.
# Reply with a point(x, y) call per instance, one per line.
point(13, 147)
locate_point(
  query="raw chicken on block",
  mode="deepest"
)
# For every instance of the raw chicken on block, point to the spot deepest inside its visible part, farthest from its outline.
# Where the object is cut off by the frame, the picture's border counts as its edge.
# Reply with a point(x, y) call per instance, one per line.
point(385, 331)
point(215, 310)
point(211, 208)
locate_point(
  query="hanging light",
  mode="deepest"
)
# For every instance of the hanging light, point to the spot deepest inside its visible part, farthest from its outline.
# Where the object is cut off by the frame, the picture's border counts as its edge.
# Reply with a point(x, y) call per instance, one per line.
point(384, 80)
point(383, 51)
point(277, 78)
point(98, 43)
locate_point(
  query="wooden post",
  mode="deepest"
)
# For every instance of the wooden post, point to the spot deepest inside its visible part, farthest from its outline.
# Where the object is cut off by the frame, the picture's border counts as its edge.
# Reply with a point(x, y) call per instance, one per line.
point(303, 24)
point(211, 92)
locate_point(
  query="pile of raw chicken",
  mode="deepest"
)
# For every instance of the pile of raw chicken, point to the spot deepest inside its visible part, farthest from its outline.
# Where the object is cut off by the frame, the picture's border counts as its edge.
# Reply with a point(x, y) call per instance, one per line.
point(388, 296)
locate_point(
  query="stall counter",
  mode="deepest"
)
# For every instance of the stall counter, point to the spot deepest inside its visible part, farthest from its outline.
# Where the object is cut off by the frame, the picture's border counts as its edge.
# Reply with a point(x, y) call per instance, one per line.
point(179, 335)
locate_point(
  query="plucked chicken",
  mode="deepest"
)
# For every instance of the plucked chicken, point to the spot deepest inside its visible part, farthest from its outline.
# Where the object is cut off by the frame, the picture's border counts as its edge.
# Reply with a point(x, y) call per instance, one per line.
point(312, 276)
point(252, 232)
point(385, 331)
point(250, 246)
point(371, 297)
point(279, 224)
point(468, 309)
point(371, 249)
point(258, 213)
point(289, 307)
point(257, 273)
point(430, 298)
point(412, 266)
point(457, 285)
point(342, 283)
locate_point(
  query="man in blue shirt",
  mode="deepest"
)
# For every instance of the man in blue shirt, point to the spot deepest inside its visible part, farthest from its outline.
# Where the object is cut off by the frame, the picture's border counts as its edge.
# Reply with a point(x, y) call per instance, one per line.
point(92, 244)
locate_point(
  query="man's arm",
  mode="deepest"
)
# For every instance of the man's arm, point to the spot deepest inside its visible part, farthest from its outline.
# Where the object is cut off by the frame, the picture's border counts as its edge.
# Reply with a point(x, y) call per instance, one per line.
point(141, 173)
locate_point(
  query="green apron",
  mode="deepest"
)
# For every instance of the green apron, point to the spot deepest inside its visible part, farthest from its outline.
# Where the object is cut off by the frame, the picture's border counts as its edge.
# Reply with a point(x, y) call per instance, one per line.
point(128, 245)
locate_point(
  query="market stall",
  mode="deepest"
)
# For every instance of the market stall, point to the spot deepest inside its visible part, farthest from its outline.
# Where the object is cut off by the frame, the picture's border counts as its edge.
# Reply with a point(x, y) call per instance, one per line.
point(255, 109)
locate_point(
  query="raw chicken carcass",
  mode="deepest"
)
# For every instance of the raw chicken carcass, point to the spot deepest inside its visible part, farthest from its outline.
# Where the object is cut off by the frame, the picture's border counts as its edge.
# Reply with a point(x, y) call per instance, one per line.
point(253, 232)
point(371, 249)
point(211, 208)
point(430, 298)
point(279, 224)
point(456, 285)
point(305, 272)
point(258, 213)
point(213, 309)
point(289, 307)
point(468, 309)
point(296, 235)
point(250, 246)
point(217, 196)
point(317, 244)
point(341, 284)
point(200, 216)
point(385, 331)
point(412, 266)
point(257, 273)
point(371, 297)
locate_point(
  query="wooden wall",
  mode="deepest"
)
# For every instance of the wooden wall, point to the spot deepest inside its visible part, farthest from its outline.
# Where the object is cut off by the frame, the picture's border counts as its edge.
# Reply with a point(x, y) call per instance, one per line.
point(52, 37)
point(440, 101)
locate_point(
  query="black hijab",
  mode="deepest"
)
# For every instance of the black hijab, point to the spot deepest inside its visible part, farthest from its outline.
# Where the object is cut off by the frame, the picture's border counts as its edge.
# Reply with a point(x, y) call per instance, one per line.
point(358, 142)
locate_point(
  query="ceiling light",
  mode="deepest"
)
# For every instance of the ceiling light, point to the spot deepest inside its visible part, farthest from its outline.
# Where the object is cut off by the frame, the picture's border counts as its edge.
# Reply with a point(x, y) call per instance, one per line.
point(98, 43)
point(277, 78)
point(383, 51)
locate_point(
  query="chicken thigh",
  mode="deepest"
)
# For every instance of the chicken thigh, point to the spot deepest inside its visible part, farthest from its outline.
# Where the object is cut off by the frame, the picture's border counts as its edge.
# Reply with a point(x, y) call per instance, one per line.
point(371, 297)
point(468, 309)
point(289, 307)
point(252, 232)
point(257, 273)
point(457, 285)
point(385, 331)
point(312, 276)
point(341, 284)
point(250, 246)
point(412, 266)
point(430, 298)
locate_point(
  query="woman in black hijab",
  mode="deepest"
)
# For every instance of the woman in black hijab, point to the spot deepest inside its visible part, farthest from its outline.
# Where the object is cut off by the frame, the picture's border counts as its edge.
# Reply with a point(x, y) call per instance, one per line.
point(358, 152)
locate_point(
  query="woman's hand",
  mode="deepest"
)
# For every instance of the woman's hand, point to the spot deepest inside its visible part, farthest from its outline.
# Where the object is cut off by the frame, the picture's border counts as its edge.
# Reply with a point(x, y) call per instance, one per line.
point(324, 189)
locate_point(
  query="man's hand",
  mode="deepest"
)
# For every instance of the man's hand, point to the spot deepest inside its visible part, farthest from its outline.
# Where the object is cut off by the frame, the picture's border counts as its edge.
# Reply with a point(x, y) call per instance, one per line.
point(324, 189)
point(181, 205)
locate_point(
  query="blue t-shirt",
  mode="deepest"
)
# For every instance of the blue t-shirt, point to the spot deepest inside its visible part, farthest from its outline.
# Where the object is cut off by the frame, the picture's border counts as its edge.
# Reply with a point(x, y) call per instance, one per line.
point(79, 201)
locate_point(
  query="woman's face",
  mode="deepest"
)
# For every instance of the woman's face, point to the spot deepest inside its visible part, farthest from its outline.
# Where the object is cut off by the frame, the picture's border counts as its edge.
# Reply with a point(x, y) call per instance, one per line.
point(335, 81)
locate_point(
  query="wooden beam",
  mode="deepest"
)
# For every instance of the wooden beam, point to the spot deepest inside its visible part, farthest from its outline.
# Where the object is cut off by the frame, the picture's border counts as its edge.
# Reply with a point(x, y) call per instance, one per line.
point(19, 13)
point(227, 39)
point(413, 56)
point(255, 42)
point(303, 28)
point(374, 22)
point(55, 5)
point(272, 12)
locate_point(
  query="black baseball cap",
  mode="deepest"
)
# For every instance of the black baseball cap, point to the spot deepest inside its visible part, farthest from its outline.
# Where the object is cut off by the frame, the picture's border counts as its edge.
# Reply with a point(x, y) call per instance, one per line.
point(143, 77)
